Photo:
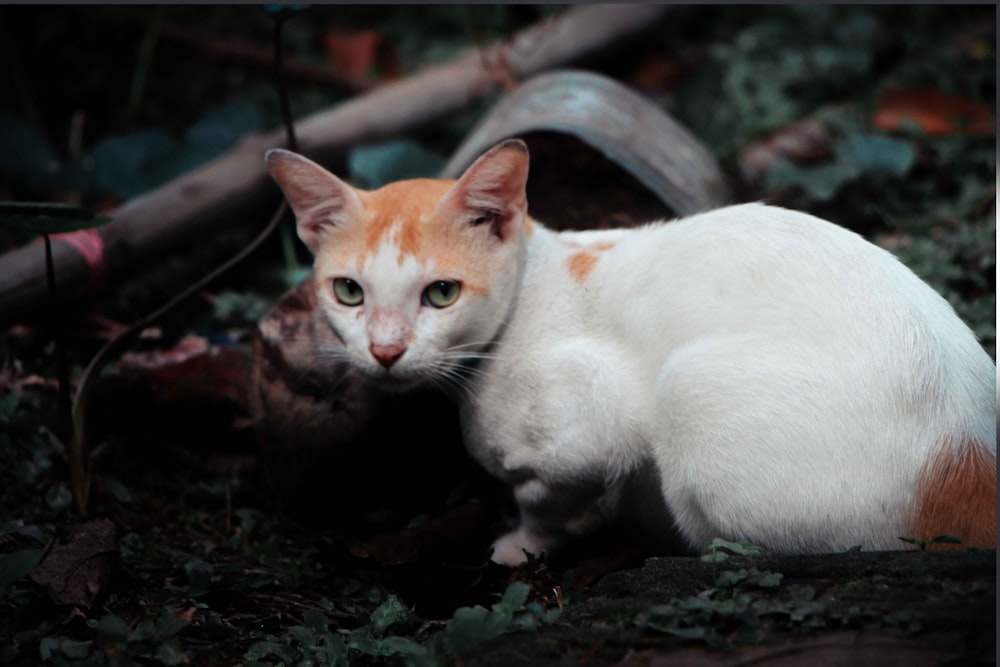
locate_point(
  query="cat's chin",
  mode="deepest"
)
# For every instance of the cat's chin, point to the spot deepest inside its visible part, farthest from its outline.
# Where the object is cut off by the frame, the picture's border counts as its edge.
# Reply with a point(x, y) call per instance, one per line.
point(395, 383)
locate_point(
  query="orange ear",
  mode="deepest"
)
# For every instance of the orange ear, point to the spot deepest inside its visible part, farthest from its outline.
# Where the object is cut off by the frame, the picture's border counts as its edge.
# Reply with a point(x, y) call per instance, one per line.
point(491, 191)
point(319, 199)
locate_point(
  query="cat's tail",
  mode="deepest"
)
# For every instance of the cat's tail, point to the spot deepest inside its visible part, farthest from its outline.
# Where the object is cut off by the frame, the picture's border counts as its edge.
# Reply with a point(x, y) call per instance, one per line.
point(956, 494)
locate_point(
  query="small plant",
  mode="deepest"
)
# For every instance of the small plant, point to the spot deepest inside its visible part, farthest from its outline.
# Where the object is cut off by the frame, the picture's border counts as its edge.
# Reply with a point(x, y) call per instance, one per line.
point(48, 219)
point(315, 643)
point(924, 543)
point(740, 608)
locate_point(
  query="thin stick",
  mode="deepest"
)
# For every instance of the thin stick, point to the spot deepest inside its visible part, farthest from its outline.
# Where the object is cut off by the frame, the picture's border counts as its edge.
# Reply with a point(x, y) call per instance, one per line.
point(79, 469)
point(62, 366)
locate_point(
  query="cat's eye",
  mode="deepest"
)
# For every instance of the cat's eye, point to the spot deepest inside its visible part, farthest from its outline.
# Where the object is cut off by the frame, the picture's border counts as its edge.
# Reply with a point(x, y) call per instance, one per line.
point(348, 292)
point(442, 293)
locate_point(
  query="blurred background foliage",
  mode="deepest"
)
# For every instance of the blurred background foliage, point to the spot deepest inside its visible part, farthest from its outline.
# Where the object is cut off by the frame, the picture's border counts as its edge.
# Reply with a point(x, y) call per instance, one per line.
point(101, 120)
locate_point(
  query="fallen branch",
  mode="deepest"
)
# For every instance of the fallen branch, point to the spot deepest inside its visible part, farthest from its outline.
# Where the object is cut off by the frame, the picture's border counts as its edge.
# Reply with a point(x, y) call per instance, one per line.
point(245, 53)
point(235, 188)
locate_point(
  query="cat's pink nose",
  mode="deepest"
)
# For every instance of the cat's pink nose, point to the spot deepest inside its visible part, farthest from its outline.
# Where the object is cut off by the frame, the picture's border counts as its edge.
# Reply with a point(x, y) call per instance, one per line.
point(387, 355)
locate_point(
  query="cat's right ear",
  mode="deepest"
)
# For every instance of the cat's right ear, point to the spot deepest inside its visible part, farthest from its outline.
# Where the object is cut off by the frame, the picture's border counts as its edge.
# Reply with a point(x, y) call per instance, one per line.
point(319, 199)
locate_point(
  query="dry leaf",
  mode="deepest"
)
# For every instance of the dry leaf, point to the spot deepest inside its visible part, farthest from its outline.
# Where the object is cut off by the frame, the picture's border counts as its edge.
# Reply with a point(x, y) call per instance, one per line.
point(78, 571)
point(352, 53)
point(655, 73)
point(193, 370)
point(801, 141)
point(408, 545)
point(934, 112)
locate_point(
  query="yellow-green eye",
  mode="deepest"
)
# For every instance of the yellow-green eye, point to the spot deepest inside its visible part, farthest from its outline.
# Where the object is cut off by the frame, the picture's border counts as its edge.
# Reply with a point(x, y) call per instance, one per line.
point(348, 292)
point(442, 294)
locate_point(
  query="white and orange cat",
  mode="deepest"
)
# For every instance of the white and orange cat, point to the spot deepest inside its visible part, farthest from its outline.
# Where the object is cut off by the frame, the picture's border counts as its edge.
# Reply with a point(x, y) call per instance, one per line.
point(779, 379)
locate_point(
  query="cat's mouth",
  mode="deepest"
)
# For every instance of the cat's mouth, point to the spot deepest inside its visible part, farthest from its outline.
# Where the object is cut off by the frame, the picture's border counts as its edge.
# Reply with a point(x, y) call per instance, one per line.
point(395, 382)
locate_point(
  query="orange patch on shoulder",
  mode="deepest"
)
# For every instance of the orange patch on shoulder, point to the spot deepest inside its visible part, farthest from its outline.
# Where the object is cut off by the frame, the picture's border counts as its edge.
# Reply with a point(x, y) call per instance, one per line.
point(604, 245)
point(956, 495)
point(581, 264)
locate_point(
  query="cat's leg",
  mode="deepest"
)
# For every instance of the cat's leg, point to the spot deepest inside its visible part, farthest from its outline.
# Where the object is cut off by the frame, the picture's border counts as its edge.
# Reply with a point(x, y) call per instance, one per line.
point(550, 514)
point(561, 436)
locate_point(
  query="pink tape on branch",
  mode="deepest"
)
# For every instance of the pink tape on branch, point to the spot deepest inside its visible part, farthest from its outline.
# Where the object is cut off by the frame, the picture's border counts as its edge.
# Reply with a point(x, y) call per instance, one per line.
point(90, 246)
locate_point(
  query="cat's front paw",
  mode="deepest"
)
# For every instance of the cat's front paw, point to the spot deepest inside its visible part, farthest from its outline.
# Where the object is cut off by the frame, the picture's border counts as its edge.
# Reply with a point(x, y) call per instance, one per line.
point(514, 548)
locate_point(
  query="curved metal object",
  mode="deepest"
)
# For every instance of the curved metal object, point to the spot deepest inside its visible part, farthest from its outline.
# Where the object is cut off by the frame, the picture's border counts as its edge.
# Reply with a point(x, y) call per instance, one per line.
point(628, 129)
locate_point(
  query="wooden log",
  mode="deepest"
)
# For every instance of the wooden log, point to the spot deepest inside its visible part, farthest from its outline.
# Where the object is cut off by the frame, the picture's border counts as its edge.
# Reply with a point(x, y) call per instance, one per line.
point(235, 189)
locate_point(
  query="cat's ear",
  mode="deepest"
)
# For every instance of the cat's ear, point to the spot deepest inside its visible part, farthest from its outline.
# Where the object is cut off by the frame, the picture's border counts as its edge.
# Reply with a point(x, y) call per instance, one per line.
point(319, 199)
point(491, 191)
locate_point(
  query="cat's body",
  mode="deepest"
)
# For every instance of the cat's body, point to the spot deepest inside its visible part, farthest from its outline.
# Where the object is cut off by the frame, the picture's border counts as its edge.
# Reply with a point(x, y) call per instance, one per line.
point(783, 381)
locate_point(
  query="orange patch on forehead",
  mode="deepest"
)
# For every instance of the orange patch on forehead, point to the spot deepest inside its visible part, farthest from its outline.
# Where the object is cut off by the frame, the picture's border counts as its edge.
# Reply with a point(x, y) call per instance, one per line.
point(410, 217)
point(397, 212)
point(581, 264)
point(956, 495)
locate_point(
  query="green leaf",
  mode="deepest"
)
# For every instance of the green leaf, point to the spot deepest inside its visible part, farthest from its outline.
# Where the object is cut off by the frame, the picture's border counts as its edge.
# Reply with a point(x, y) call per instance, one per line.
point(112, 628)
point(24, 151)
point(687, 633)
point(59, 497)
point(170, 653)
point(877, 154)
point(715, 557)
point(263, 649)
point(821, 182)
point(802, 592)
point(18, 564)
point(315, 620)
point(729, 578)
point(333, 650)
point(470, 626)
point(390, 612)
point(303, 635)
point(222, 127)
point(124, 165)
point(768, 579)
point(49, 646)
point(401, 646)
point(169, 624)
point(48, 218)
point(374, 166)
point(516, 594)
point(199, 574)
point(243, 306)
point(144, 631)
point(135, 163)
point(738, 548)
point(662, 618)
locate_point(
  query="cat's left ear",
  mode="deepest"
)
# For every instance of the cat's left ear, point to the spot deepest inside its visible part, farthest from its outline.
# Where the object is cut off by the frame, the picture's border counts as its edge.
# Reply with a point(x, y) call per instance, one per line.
point(492, 190)
point(319, 199)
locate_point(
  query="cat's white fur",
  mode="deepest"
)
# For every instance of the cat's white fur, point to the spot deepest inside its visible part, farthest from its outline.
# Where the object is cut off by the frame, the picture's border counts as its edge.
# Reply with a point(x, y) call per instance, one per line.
point(784, 381)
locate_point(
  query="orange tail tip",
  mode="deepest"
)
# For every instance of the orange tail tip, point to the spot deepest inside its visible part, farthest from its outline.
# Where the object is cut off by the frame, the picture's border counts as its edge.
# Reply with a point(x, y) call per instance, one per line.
point(956, 495)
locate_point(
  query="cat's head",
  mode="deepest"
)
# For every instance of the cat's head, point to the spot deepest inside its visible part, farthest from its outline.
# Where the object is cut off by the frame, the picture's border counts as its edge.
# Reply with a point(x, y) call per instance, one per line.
point(417, 277)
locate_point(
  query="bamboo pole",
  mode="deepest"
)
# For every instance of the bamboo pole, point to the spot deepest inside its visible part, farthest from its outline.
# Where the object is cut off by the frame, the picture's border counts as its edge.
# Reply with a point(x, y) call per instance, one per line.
point(235, 189)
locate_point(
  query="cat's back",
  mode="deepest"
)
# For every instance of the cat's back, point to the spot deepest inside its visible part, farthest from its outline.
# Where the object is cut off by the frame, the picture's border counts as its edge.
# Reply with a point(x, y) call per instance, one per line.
point(749, 280)
point(744, 268)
